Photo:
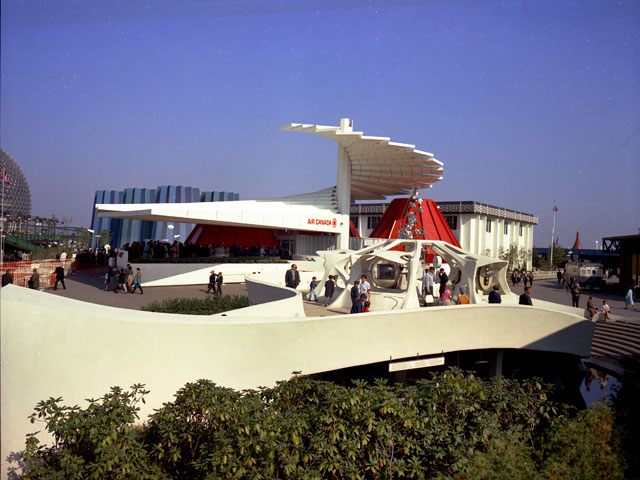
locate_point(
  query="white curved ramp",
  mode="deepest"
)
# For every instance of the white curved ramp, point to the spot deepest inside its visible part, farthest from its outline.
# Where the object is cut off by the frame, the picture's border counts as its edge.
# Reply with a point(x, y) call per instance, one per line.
point(54, 346)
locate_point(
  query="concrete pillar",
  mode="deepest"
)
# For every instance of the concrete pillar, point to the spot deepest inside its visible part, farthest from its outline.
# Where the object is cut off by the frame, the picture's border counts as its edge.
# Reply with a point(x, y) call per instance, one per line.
point(343, 190)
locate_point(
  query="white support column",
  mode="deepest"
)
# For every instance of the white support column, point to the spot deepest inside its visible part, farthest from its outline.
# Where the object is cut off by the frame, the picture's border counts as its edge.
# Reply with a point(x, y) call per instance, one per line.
point(343, 190)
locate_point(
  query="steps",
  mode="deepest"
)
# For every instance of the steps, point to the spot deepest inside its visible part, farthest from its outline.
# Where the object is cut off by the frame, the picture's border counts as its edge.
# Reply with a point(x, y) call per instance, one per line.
point(615, 341)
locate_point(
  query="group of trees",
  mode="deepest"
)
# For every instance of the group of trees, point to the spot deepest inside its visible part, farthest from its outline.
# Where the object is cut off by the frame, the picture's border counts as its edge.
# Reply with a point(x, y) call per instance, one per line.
point(518, 257)
point(543, 262)
point(454, 425)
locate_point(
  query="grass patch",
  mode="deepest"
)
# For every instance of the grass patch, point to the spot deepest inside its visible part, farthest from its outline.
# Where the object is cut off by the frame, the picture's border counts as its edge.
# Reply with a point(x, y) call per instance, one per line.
point(198, 306)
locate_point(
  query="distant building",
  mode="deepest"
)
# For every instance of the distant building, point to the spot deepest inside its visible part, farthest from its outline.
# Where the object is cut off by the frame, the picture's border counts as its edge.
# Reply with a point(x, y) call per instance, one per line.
point(628, 247)
point(127, 230)
point(480, 228)
point(17, 195)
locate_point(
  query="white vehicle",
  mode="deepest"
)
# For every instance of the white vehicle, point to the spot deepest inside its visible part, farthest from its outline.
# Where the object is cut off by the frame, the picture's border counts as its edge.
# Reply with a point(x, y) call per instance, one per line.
point(586, 273)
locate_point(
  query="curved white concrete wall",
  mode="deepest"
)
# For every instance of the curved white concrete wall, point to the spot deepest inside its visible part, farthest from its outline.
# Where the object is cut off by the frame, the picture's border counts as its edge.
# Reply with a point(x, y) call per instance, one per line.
point(172, 274)
point(54, 346)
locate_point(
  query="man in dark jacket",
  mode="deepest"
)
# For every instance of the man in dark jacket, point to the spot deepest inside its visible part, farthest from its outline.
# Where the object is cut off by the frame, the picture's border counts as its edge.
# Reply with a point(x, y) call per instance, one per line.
point(219, 281)
point(444, 278)
point(292, 277)
point(494, 296)
point(7, 278)
point(355, 291)
point(59, 277)
point(212, 282)
point(329, 288)
point(525, 298)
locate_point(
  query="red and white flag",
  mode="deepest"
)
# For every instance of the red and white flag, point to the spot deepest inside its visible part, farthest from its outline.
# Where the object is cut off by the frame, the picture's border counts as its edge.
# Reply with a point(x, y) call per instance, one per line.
point(5, 177)
point(555, 208)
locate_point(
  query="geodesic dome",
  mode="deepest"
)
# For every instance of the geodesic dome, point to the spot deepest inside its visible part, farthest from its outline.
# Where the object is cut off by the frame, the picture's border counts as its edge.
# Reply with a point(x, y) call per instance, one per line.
point(17, 195)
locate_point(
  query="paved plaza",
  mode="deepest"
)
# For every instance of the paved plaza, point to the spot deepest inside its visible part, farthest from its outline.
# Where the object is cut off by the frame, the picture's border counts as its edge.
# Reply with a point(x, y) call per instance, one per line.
point(88, 286)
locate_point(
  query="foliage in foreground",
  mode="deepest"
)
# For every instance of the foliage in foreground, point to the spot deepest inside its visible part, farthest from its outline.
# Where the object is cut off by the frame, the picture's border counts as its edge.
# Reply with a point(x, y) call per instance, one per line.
point(452, 426)
point(198, 306)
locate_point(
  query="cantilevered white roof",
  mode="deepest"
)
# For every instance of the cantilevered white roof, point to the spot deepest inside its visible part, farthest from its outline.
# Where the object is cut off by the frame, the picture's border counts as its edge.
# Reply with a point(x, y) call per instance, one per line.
point(379, 167)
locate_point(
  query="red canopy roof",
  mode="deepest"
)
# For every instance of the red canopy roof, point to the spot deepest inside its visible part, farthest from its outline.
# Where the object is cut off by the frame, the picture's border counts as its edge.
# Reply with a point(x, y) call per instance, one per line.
point(430, 220)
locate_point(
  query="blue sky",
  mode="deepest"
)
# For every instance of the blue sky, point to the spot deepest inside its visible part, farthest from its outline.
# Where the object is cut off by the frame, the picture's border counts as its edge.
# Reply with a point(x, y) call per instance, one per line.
point(528, 104)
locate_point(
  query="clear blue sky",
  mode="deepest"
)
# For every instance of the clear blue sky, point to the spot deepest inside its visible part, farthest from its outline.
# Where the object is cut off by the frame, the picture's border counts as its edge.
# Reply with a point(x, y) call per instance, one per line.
point(528, 104)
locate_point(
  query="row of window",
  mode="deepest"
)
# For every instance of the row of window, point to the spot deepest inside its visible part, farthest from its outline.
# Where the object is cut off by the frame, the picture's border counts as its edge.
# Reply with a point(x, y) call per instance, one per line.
point(372, 221)
point(452, 221)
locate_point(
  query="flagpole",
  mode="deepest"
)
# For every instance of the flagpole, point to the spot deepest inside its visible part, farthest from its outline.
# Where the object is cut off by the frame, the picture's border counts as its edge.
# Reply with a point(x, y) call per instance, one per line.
point(553, 231)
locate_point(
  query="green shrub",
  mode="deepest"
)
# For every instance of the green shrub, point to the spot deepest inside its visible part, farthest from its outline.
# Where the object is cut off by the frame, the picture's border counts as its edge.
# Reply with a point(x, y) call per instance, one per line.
point(452, 426)
point(198, 306)
point(99, 442)
point(582, 446)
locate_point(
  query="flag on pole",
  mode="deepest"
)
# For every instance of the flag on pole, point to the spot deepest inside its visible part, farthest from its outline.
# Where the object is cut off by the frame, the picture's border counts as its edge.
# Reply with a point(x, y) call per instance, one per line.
point(555, 208)
point(5, 177)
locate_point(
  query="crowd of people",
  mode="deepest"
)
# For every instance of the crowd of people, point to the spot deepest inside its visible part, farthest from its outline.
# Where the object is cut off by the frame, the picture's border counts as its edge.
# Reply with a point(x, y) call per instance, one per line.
point(123, 279)
point(159, 250)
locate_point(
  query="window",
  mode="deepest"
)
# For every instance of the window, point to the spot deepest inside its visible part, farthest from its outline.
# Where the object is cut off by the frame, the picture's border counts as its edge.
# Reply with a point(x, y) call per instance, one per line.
point(506, 228)
point(452, 221)
point(354, 220)
point(372, 222)
point(521, 229)
point(489, 222)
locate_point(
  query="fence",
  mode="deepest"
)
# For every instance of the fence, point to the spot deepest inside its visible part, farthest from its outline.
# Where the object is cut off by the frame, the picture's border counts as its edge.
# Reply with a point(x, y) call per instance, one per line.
point(22, 271)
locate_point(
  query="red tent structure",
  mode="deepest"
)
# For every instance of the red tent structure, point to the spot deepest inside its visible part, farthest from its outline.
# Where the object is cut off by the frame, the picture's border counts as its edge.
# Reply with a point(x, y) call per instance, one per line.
point(430, 221)
point(577, 245)
point(229, 235)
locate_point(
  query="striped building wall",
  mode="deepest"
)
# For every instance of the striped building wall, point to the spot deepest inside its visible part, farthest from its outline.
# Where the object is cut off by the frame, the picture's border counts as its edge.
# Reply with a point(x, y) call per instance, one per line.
point(127, 231)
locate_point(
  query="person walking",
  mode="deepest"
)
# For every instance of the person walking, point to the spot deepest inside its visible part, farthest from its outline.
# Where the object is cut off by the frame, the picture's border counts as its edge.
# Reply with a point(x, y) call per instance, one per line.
point(427, 286)
point(122, 279)
point(444, 278)
point(292, 277)
point(107, 279)
point(219, 280)
point(494, 295)
point(575, 294)
point(312, 290)
point(137, 281)
point(605, 311)
point(212, 282)
point(130, 276)
point(525, 298)
point(7, 278)
point(59, 277)
point(34, 281)
point(628, 300)
point(329, 288)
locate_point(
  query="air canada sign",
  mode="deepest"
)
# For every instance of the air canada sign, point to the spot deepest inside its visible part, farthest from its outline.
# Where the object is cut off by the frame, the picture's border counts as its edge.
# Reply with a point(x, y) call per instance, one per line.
point(323, 221)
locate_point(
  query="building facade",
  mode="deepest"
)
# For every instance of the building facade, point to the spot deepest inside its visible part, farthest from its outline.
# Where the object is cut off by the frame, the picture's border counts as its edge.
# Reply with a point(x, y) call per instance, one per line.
point(125, 231)
point(480, 228)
